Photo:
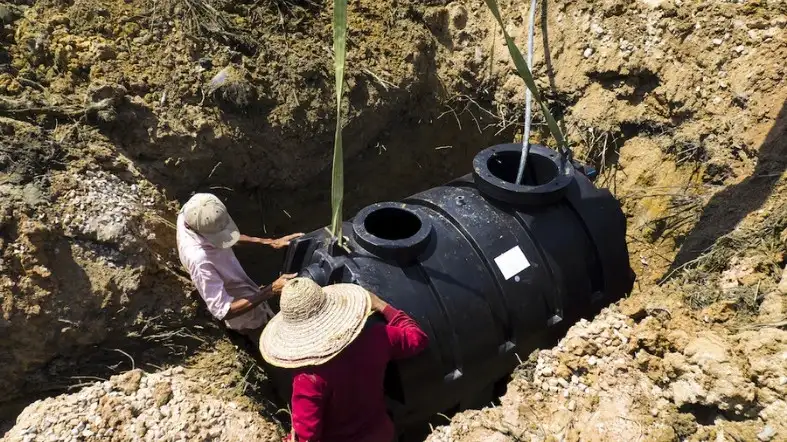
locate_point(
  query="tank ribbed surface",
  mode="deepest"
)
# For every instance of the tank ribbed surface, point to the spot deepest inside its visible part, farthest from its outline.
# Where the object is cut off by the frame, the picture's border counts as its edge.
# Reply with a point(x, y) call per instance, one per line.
point(487, 269)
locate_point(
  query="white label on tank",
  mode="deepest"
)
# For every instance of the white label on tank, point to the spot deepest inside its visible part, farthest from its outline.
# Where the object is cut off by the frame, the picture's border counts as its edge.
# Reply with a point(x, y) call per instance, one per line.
point(512, 262)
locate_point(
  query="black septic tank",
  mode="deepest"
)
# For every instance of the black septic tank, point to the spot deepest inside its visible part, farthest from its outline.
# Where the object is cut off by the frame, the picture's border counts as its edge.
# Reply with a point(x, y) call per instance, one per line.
point(485, 266)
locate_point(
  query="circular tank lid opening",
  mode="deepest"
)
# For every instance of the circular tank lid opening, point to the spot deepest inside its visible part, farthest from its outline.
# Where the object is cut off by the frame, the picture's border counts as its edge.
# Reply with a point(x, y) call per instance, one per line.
point(547, 174)
point(505, 165)
point(392, 230)
point(392, 223)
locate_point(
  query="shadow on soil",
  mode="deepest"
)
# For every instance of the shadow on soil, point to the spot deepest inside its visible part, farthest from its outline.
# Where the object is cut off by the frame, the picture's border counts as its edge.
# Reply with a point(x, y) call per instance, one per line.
point(409, 157)
point(730, 206)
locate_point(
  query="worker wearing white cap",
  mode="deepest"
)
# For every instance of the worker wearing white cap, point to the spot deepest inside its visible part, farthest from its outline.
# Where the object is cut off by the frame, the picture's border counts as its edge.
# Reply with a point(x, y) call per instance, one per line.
point(206, 234)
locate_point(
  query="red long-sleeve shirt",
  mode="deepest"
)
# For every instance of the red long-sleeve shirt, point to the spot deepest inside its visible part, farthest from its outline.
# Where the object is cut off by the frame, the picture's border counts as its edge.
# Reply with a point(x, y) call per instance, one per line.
point(342, 400)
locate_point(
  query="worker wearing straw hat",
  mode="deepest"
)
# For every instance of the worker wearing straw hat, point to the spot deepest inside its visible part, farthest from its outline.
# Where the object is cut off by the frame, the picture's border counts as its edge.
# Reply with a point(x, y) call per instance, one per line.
point(205, 236)
point(339, 361)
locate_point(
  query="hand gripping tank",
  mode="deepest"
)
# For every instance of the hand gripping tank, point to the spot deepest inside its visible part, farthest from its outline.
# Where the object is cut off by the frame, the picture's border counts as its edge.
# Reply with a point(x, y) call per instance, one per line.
point(486, 267)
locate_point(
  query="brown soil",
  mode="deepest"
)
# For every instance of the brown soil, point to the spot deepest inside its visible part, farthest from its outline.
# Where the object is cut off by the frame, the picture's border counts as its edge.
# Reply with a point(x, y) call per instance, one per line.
point(112, 112)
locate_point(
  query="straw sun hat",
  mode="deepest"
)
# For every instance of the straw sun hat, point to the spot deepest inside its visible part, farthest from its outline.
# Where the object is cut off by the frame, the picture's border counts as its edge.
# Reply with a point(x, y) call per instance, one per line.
point(315, 323)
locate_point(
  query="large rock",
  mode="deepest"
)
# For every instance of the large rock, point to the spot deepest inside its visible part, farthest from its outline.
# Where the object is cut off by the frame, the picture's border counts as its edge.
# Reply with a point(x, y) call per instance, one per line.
point(705, 374)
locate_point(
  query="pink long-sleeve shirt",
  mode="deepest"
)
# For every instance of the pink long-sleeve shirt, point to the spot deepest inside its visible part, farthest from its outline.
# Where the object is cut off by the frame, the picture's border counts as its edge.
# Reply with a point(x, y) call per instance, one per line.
point(343, 400)
point(219, 278)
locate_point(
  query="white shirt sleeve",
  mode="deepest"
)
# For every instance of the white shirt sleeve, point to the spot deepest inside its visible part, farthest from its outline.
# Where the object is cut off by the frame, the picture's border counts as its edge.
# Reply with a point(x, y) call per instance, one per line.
point(211, 288)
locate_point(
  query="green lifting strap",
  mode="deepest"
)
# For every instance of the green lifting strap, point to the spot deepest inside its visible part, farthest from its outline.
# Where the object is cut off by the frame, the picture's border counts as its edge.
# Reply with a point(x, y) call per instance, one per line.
point(337, 173)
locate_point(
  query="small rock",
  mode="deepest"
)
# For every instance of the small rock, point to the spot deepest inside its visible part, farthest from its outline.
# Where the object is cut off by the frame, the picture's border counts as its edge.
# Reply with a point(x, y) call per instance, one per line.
point(129, 381)
point(538, 396)
point(592, 361)
point(572, 405)
point(717, 41)
point(458, 16)
point(104, 51)
point(206, 62)
point(766, 434)
point(588, 52)
point(99, 91)
point(162, 393)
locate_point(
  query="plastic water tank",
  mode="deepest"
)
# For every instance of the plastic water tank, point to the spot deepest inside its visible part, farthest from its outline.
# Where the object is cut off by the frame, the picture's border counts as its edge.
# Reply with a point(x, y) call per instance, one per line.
point(485, 266)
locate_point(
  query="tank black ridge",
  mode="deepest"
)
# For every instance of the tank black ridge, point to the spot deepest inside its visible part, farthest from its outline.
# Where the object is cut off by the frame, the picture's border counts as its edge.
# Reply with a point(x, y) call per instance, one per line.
point(485, 266)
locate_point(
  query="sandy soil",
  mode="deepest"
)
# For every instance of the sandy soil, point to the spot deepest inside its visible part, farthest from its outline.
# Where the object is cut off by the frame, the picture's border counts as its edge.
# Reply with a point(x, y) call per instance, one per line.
point(113, 112)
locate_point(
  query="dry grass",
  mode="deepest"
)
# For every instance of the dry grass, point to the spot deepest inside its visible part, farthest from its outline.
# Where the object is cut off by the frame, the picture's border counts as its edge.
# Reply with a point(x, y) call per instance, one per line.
point(688, 153)
point(764, 238)
point(204, 19)
point(218, 19)
point(681, 213)
point(701, 277)
point(25, 109)
point(236, 376)
point(599, 148)
point(500, 118)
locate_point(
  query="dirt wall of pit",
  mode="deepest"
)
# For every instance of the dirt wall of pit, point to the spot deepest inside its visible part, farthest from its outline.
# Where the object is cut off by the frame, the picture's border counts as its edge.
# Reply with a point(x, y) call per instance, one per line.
point(113, 112)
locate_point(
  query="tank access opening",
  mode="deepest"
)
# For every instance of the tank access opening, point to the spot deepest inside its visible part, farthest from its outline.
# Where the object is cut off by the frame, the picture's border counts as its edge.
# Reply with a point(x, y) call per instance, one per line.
point(539, 169)
point(547, 174)
point(392, 223)
point(393, 230)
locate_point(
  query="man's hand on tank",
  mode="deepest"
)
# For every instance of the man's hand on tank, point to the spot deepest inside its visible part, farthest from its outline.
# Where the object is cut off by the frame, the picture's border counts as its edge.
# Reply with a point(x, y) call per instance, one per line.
point(284, 241)
point(279, 283)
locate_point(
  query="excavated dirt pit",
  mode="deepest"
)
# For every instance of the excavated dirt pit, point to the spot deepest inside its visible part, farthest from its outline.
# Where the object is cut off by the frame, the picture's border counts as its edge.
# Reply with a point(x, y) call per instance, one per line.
point(413, 158)
point(114, 112)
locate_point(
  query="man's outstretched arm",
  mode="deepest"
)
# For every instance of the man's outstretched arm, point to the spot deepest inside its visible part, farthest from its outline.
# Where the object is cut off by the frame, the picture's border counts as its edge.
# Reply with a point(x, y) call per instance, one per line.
point(244, 305)
point(278, 243)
